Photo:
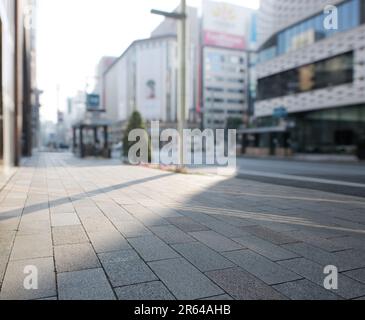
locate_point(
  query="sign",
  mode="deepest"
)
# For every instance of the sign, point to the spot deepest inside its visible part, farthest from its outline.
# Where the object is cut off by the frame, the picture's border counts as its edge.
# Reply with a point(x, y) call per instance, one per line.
point(280, 113)
point(93, 102)
point(226, 25)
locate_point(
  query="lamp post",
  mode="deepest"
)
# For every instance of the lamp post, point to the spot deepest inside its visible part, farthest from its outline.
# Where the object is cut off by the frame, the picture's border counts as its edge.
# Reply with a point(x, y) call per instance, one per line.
point(181, 17)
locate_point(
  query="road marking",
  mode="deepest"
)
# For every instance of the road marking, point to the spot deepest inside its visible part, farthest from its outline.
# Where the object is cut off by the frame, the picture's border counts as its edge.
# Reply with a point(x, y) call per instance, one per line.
point(299, 178)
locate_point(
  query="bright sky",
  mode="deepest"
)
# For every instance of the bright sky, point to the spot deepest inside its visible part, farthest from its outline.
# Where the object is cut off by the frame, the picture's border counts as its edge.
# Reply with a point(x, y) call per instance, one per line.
point(74, 34)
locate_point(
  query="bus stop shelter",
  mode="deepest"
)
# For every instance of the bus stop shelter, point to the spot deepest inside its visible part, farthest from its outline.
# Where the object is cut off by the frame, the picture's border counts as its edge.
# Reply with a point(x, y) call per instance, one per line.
point(91, 138)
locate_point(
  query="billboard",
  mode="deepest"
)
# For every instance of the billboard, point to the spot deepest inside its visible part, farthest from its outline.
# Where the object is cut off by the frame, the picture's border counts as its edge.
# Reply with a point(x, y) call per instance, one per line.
point(226, 25)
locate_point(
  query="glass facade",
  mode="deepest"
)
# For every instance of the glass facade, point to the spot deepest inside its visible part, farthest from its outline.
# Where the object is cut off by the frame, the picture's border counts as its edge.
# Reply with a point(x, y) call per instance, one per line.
point(322, 74)
point(304, 33)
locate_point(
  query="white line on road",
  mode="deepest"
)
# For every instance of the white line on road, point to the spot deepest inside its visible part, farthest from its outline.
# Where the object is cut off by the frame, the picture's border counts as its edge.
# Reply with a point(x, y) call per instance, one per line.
point(299, 178)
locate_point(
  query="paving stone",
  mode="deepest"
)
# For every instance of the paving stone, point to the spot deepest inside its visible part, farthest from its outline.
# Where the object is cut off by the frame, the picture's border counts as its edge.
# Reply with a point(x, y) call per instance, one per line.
point(32, 247)
point(184, 280)
point(269, 235)
point(348, 288)
point(224, 297)
point(358, 275)
point(84, 285)
point(344, 261)
point(305, 290)
point(108, 241)
point(75, 258)
point(264, 269)
point(126, 268)
point(310, 237)
point(133, 229)
point(165, 212)
point(152, 248)
point(187, 224)
point(265, 248)
point(65, 219)
point(216, 241)
point(241, 285)
point(202, 257)
point(33, 228)
point(171, 235)
point(13, 284)
point(146, 291)
point(69, 235)
point(224, 229)
point(350, 259)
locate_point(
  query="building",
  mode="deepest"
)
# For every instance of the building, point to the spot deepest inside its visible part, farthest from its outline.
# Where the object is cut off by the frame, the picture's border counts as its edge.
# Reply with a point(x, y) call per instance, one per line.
point(18, 88)
point(227, 39)
point(142, 79)
point(103, 65)
point(311, 78)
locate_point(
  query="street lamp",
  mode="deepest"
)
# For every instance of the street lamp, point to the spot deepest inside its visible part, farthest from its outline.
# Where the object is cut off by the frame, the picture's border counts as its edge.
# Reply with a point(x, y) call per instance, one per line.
point(181, 17)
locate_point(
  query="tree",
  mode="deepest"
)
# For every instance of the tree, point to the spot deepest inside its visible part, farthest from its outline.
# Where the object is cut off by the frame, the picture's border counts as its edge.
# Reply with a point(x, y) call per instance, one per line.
point(135, 122)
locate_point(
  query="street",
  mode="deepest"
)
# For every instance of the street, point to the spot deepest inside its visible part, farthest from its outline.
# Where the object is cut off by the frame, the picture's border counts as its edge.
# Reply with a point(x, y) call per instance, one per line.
point(342, 178)
point(95, 229)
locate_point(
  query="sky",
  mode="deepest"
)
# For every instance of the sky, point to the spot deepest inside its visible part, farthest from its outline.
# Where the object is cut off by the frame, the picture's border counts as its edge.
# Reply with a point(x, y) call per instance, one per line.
point(72, 36)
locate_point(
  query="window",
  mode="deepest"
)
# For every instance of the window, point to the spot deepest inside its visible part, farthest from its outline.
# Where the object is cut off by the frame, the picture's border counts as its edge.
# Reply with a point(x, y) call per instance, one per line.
point(312, 30)
point(327, 73)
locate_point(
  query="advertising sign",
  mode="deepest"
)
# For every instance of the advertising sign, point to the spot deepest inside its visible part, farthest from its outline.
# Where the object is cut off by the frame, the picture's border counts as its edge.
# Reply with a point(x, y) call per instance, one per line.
point(226, 25)
point(93, 102)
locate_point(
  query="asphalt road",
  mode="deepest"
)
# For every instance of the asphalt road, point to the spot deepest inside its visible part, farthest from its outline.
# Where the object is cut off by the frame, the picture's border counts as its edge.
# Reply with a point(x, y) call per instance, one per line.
point(342, 178)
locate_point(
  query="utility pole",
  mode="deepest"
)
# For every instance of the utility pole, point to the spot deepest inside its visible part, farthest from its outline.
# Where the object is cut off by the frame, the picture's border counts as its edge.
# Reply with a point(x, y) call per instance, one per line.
point(182, 79)
point(181, 17)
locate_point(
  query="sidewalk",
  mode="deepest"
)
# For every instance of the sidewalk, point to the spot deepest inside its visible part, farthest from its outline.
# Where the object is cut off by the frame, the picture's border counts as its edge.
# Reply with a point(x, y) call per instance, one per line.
point(97, 230)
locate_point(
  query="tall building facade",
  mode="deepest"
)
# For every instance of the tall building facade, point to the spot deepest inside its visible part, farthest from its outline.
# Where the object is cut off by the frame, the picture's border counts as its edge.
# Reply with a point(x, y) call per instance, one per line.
point(18, 88)
point(310, 77)
point(226, 34)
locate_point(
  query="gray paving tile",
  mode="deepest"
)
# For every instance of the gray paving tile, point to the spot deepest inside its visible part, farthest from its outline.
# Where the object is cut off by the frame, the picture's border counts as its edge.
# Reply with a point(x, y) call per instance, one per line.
point(202, 257)
point(186, 224)
point(69, 235)
point(84, 285)
point(65, 219)
point(171, 235)
point(269, 235)
point(126, 268)
point(108, 241)
point(13, 284)
point(348, 288)
point(241, 285)
point(146, 291)
point(133, 229)
point(264, 269)
point(265, 248)
point(310, 237)
point(184, 280)
point(152, 248)
point(224, 229)
point(344, 260)
point(224, 297)
point(358, 275)
point(75, 258)
point(32, 247)
point(305, 290)
point(216, 241)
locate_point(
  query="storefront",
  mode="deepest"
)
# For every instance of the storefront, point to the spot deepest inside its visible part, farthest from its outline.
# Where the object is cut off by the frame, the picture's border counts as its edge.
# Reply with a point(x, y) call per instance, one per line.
point(339, 131)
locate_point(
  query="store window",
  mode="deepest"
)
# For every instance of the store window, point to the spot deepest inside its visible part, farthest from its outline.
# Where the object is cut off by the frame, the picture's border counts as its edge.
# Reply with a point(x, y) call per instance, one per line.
point(326, 73)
